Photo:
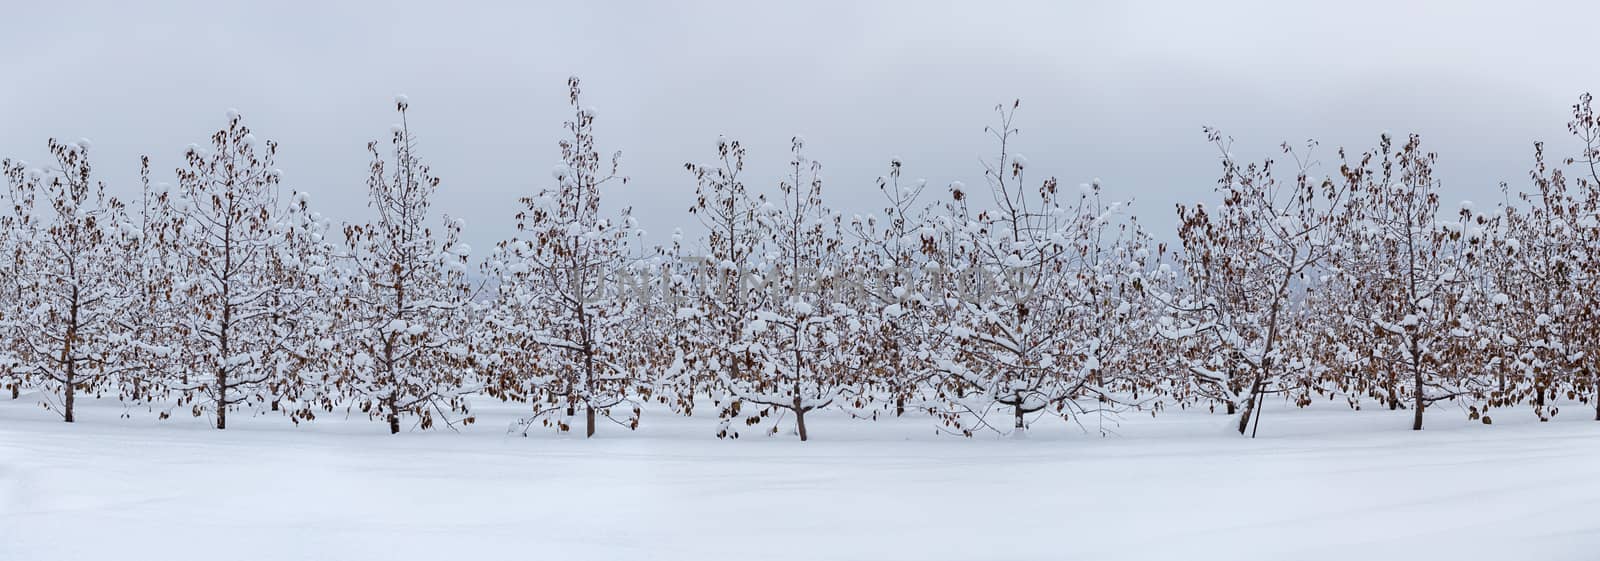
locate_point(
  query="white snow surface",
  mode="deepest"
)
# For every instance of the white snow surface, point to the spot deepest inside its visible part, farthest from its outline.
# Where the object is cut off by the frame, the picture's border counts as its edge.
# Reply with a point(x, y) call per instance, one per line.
point(1319, 483)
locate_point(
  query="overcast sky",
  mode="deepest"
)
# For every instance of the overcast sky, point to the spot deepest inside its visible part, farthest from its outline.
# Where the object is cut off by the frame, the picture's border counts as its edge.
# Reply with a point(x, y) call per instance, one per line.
point(1114, 90)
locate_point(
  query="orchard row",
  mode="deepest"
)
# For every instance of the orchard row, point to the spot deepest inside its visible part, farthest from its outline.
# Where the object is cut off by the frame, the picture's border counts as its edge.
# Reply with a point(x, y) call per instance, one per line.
point(986, 308)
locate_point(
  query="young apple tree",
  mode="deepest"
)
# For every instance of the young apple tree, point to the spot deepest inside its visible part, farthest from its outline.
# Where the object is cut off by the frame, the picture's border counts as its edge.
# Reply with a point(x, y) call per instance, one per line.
point(1047, 277)
point(248, 276)
point(795, 330)
point(719, 293)
point(1242, 325)
point(888, 269)
point(1545, 268)
point(157, 258)
point(1411, 277)
point(75, 320)
point(405, 310)
point(562, 330)
point(15, 219)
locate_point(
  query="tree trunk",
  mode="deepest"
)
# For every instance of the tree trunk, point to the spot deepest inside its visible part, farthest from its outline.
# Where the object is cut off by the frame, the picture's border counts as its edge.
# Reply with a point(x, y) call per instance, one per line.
point(222, 400)
point(1016, 411)
point(589, 422)
point(1244, 417)
point(391, 409)
point(71, 389)
point(1421, 403)
point(1538, 401)
point(800, 422)
point(67, 402)
point(390, 403)
point(1233, 388)
point(224, 330)
point(1250, 405)
point(1594, 379)
point(1394, 396)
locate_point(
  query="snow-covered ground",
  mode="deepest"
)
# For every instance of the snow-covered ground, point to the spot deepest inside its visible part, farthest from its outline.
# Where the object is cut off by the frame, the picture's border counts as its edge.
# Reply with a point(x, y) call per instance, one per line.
point(1319, 483)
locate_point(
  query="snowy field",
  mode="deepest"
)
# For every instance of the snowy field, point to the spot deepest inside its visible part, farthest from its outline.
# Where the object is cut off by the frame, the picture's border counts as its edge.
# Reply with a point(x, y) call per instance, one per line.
point(1320, 483)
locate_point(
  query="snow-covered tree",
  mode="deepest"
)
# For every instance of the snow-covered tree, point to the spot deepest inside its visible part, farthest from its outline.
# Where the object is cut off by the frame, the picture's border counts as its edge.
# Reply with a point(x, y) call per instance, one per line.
point(793, 332)
point(16, 220)
point(1045, 274)
point(668, 337)
point(896, 342)
point(248, 277)
point(720, 292)
point(1582, 219)
point(1412, 275)
point(1544, 271)
point(1242, 324)
point(158, 258)
point(220, 294)
point(562, 329)
point(399, 346)
point(73, 325)
point(1527, 279)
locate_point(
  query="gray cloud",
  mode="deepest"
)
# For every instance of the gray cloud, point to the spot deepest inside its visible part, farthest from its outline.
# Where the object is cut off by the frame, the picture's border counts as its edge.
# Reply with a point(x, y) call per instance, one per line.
point(1117, 91)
